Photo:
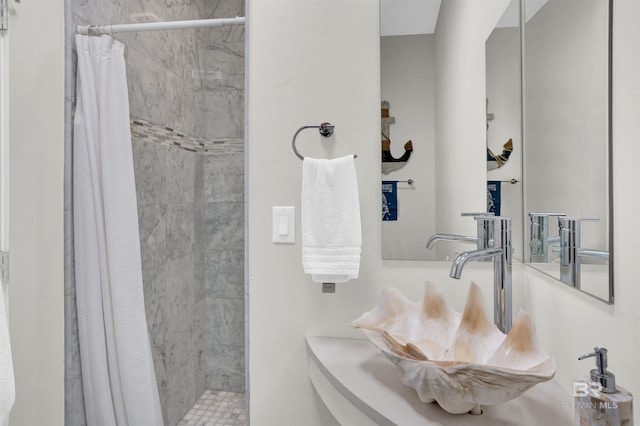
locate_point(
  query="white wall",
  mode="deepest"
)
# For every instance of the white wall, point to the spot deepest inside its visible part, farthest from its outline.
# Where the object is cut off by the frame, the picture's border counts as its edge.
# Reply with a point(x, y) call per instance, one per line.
point(308, 62)
point(318, 60)
point(36, 290)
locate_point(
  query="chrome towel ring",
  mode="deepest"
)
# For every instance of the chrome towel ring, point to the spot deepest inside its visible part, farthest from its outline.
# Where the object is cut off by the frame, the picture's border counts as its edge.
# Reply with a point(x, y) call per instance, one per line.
point(325, 129)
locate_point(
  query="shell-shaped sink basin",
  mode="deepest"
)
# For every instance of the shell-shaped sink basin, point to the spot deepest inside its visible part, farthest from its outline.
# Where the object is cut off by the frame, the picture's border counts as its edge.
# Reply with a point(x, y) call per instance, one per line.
point(461, 361)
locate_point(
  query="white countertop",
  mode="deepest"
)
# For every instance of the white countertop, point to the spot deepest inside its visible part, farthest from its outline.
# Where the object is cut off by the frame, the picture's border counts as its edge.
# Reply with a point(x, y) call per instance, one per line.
point(360, 386)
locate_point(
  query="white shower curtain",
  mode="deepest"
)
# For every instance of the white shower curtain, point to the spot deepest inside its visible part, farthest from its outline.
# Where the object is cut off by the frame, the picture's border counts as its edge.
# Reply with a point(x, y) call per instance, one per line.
point(117, 367)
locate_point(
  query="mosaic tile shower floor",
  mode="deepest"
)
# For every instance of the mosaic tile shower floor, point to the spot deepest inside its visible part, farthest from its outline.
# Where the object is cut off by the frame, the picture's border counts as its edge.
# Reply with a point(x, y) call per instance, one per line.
point(217, 408)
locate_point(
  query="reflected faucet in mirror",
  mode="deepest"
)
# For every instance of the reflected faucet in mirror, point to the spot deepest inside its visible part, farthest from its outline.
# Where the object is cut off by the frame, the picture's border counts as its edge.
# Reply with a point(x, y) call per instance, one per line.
point(561, 40)
point(483, 239)
point(494, 235)
point(571, 252)
point(540, 239)
point(435, 238)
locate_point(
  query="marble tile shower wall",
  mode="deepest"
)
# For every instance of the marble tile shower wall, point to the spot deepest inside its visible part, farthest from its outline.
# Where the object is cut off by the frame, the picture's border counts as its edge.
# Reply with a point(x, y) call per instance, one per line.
point(191, 212)
point(224, 269)
point(193, 79)
point(224, 78)
point(169, 187)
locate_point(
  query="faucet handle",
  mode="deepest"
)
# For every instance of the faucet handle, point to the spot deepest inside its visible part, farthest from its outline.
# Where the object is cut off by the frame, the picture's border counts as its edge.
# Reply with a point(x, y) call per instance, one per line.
point(490, 228)
point(474, 214)
point(490, 218)
point(571, 225)
point(570, 238)
point(539, 238)
point(568, 221)
point(543, 218)
point(532, 214)
point(485, 228)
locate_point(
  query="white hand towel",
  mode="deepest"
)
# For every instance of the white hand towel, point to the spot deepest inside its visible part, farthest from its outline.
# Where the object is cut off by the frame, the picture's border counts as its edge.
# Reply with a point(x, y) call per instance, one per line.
point(331, 232)
point(7, 385)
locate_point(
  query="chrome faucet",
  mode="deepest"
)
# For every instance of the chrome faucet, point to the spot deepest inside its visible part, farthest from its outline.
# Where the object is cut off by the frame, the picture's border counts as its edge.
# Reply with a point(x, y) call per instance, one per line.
point(571, 252)
point(431, 242)
point(482, 240)
point(499, 249)
point(540, 240)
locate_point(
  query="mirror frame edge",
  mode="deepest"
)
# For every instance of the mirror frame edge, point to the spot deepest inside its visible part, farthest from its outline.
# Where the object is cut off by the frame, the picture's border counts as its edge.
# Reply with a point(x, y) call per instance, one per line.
point(610, 185)
point(610, 159)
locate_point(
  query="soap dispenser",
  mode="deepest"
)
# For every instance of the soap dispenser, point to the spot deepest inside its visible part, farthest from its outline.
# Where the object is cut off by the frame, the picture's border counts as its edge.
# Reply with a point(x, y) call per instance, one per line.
point(598, 401)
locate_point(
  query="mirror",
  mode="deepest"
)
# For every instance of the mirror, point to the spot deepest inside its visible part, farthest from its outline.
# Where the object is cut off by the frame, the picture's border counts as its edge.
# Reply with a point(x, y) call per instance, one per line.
point(408, 214)
point(450, 86)
point(434, 133)
point(567, 141)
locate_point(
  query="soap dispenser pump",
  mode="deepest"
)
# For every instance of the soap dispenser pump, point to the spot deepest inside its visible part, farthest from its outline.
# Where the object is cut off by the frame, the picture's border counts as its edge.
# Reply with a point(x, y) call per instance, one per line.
point(599, 401)
point(606, 379)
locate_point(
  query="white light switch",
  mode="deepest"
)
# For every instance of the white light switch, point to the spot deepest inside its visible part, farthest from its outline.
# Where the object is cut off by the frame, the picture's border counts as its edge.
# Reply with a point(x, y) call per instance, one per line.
point(284, 224)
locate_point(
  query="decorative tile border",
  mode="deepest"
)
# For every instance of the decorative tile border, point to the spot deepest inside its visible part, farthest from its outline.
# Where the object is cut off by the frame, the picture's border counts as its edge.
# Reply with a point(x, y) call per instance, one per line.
point(142, 129)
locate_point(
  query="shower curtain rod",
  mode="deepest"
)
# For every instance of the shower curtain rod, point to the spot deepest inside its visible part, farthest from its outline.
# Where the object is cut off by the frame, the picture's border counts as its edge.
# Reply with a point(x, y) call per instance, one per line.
point(96, 30)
